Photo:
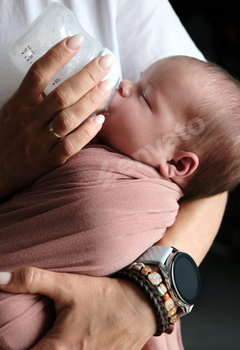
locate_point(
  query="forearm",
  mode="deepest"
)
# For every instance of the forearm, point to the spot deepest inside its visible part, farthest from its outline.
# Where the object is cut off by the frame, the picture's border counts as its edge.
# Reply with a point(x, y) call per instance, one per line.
point(196, 226)
point(193, 232)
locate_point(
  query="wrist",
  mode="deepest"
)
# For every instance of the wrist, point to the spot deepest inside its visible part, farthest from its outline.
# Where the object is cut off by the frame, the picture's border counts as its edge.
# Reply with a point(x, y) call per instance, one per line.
point(122, 310)
point(141, 315)
point(173, 290)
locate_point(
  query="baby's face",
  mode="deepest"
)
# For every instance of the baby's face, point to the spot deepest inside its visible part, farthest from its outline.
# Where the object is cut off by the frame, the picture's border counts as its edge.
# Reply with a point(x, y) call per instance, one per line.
point(142, 114)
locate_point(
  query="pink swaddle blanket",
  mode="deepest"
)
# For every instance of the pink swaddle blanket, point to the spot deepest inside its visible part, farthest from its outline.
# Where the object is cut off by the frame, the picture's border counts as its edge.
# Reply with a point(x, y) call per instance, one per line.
point(94, 215)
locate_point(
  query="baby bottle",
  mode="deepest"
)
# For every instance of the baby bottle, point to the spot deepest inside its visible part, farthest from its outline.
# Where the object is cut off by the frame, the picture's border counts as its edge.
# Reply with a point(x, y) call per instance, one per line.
point(54, 24)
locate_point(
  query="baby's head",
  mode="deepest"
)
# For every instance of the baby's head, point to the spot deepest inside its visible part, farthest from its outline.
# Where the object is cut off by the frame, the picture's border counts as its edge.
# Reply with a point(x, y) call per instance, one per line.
point(182, 117)
point(218, 142)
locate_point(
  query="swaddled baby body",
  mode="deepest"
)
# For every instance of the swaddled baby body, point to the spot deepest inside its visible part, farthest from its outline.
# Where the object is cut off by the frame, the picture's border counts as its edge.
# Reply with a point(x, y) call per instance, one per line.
point(81, 217)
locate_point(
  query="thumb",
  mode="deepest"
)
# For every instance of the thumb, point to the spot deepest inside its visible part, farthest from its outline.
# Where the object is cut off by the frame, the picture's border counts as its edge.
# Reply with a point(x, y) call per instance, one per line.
point(54, 285)
point(50, 341)
point(31, 280)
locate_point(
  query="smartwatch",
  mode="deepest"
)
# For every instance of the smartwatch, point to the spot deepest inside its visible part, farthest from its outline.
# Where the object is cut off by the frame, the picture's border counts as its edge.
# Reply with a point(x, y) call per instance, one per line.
point(180, 274)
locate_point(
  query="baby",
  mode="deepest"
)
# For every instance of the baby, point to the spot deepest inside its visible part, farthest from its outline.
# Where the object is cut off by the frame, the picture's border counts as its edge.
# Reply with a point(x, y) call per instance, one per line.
point(102, 209)
point(183, 118)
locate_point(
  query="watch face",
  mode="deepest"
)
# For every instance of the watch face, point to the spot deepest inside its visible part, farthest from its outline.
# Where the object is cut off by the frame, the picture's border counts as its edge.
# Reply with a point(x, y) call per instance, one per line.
point(186, 278)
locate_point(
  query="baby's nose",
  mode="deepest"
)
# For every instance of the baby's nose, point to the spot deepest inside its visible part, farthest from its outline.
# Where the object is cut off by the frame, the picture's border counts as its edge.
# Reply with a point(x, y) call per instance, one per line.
point(125, 88)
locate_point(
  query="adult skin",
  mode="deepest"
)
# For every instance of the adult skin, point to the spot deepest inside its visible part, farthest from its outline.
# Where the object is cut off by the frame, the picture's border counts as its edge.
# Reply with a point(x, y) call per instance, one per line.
point(28, 150)
point(103, 313)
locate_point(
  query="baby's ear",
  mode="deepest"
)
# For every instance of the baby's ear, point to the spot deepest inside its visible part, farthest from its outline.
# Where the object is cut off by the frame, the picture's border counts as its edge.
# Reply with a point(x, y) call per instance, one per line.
point(182, 165)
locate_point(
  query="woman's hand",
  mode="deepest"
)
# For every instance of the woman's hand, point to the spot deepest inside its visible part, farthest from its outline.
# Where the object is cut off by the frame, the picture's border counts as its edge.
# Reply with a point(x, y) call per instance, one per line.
point(93, 313)
point(28, 148)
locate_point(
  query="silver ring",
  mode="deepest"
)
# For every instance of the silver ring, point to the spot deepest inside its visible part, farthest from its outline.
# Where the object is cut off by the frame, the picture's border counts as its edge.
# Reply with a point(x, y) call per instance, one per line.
point(53, 132)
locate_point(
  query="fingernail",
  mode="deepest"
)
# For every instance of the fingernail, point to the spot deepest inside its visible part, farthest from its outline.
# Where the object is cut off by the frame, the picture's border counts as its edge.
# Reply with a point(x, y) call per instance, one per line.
point(106, 61)
point(105, 86)
point(99, 119)
point(74, 42)
point(5, 278)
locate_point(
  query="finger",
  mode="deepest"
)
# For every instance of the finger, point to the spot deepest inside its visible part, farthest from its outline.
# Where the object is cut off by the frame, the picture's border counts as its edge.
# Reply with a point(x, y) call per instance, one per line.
point(70, 118)
point(63, 335)
point(74, 88)
point(74, 142)
point(42, 71)
point(33, 280)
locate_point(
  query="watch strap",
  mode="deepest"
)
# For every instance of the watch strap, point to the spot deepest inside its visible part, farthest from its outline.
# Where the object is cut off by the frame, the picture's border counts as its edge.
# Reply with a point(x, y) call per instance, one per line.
point(156, 254)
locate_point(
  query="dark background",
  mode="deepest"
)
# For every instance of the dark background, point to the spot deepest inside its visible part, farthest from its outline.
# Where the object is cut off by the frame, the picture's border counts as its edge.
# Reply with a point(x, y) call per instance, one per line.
point(214, 323)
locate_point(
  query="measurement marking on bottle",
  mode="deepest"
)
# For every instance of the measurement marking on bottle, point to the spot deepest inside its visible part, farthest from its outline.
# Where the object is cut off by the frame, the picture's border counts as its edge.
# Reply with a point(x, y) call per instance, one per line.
point(56, 81)
point(29, 54)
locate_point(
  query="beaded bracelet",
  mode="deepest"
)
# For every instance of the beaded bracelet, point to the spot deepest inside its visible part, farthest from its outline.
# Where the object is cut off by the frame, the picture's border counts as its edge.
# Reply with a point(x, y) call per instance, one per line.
point(151, 283)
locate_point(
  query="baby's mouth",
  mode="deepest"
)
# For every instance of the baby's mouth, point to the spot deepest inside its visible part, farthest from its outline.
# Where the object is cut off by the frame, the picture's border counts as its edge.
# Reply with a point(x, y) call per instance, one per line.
point(106, 111)
point(102, 108)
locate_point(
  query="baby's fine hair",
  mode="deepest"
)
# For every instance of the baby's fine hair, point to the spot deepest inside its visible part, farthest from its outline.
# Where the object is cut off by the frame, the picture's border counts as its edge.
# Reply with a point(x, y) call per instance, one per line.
point(218, 146)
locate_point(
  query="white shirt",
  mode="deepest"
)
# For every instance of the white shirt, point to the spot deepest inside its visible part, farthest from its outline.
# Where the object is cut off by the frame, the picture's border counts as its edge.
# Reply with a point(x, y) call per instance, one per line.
point(138, 31)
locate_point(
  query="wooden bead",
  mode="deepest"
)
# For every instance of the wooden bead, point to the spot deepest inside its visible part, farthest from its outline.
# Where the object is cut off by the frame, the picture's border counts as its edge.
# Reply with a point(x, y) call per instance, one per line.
point(146, 270)
point(173, 319)
point(169, 304)
point(141, 264)
point(173, 311)
point(138, 266)
point(166, 297)
point(155, 278)
point(132, 265)
point(162, 289)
